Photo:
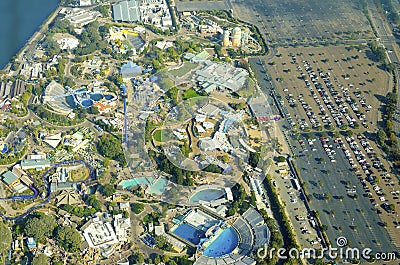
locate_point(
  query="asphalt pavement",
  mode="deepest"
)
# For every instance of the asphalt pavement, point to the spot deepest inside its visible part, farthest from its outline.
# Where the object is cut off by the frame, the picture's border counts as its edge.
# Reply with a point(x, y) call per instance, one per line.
point(356, 219)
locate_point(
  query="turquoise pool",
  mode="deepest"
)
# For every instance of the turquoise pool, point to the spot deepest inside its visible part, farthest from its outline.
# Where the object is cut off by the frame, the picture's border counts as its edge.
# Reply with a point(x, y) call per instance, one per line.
point(158, 187)
point(135, 182)
point(223, 245)
point(207, 195)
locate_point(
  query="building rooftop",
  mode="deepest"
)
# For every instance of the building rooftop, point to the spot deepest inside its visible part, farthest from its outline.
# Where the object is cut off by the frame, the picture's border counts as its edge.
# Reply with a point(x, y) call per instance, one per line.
point(53, 140)
point(34, 163)
point(31, 242)
point(100, 234)
point(81, 17)
point(159, 230)
point(201, 56)
point(9, 177)
point(259, 108)
point(125, 206)
point(69, 197)
point(127, 11)
point(122, 227)
point(219, 75)
point(130, 69)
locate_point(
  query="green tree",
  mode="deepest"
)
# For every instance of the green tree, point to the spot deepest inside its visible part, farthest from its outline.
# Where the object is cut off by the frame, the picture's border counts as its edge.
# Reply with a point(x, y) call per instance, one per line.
point(63, 25)
point(173, 95)
point(381, 136)
point(106, 162)
point(40, 259)
point(6, 238)
point(69, 82)
point(254, 157)
point(95, 203)
point(40, 226)
point(107, 190)
point(280, 159)
point(110, 147)
point(137, 208)
point(68, 238)
point(51, 46)
point(94, 110)
point(104, 10)
point(136, 258)
point(225, 158)
point(237, 106)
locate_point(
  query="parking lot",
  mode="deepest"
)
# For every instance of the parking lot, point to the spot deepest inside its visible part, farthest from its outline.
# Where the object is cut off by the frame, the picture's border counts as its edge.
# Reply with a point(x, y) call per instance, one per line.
point(186, 5)
point(339, 90)
point(338, 195)
point(305, 21)
point(295, 209)
point(325, 90)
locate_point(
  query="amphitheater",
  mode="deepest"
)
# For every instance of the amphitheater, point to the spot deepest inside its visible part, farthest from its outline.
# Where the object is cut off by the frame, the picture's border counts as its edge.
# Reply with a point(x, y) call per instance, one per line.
point(253, 233)
point(53, 96)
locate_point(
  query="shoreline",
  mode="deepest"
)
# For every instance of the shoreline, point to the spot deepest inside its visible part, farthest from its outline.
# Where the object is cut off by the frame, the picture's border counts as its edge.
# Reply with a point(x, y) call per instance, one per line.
point(34, 37)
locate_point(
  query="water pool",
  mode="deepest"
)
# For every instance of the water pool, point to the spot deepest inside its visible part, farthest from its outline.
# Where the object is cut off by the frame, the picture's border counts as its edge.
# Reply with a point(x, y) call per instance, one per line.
point(86, 103)
point(135, 182)
point(208, 195)
point(96, 97)
point(189, 233)
point(223, 245)
point(4, 149)
point(158, 187)
point(109, 97)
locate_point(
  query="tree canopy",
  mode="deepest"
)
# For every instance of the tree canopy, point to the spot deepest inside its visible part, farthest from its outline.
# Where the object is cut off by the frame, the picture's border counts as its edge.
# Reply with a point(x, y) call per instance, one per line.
point(6, 238)
point(110, 147)
point(136, 258)
point(68, 238)
point(95, 203)
point(40, 226)
point(137, 208)
point(107, 190)
point(40, 259)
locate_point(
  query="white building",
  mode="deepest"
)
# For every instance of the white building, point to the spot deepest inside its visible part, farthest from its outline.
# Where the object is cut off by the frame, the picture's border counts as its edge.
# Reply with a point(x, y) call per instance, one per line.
point(208, 125)
point(85, 2)
point(80, 18)
point(200, 129)
point(100, 234)
point(122, 227)
point(68, 43)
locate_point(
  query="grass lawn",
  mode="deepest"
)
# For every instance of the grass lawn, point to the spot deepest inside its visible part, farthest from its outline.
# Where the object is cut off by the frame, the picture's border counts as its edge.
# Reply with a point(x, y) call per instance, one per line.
point(187, 66)
point(190, 93)
point(80, 174)
point(160, 136)
point(248, 90)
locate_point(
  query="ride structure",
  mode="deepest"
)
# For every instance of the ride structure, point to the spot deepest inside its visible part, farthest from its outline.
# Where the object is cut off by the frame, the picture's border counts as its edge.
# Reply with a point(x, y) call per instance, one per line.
point(124, 96)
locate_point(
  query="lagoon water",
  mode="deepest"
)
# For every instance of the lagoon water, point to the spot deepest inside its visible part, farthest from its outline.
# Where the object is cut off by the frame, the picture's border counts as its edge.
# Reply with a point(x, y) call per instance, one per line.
point(19, 19)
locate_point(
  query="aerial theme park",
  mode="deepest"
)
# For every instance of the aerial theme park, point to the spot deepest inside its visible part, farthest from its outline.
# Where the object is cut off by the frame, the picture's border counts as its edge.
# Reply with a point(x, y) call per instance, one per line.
point(203, 132)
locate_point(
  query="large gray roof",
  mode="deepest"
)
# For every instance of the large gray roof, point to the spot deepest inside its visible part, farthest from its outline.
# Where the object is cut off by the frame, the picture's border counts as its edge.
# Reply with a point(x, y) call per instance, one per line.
point(127, 11)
